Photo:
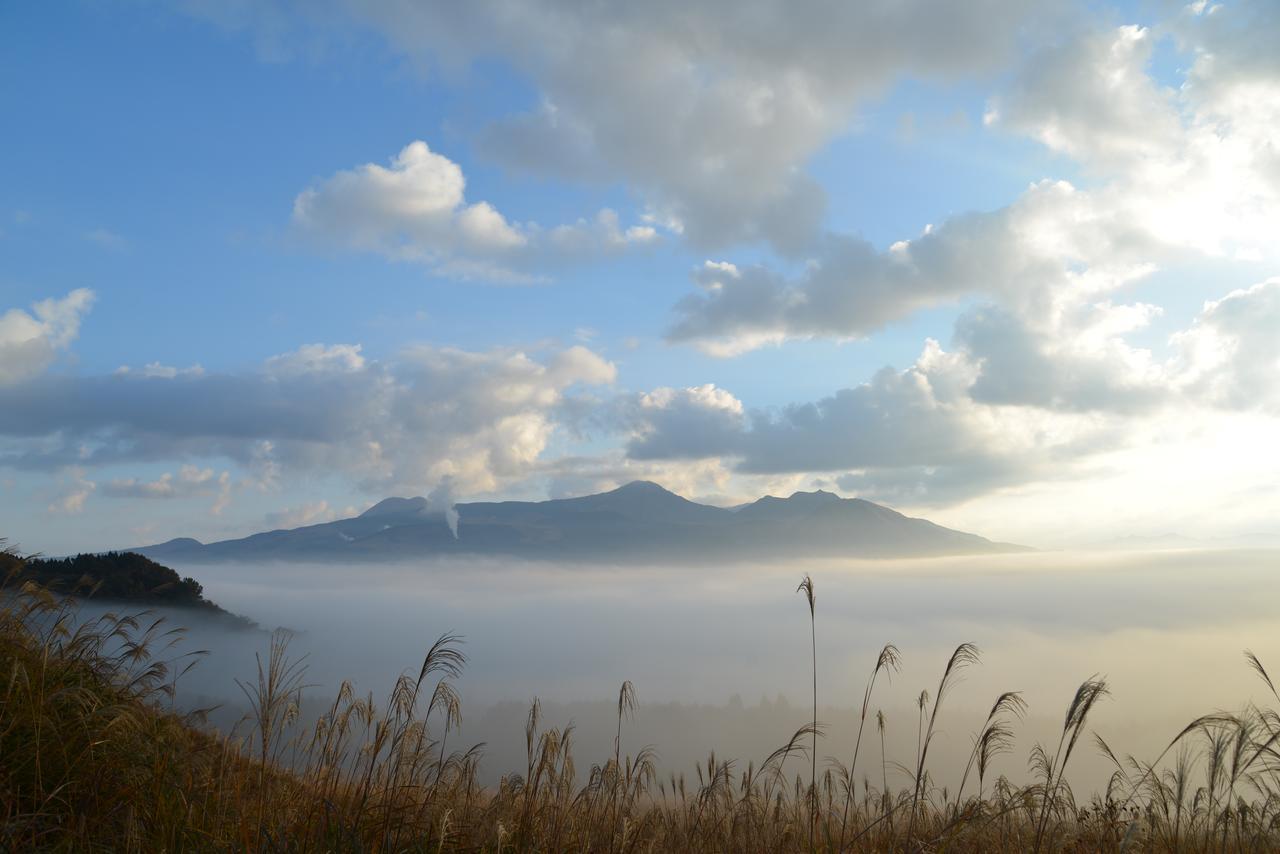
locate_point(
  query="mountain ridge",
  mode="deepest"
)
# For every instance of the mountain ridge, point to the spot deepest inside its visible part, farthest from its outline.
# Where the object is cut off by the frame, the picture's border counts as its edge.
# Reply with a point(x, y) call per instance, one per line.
point(638, 521)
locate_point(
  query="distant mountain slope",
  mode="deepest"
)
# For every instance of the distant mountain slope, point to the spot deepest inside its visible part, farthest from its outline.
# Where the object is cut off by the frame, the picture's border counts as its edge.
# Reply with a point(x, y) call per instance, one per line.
point(636, 522)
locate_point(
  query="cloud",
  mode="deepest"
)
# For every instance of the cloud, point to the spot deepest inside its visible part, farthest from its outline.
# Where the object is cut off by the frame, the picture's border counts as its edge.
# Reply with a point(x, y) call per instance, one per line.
point(416, 206)
point(483, 418)
point(1075, 360)
point(1017, 399)
point(75, 493)
point(707, 479)
point(1055, 243)
point(29, 342)
point(1231, 354)
point(317, 359)
point(1234, 79)
point(155, 369)
point(686, 423)
point(417, 210)
point(1090, 97)
point(708, 111)
point(1197, 163)
point(311, 513)
point(915, 434)
point(190, 481)
point(1184, 176)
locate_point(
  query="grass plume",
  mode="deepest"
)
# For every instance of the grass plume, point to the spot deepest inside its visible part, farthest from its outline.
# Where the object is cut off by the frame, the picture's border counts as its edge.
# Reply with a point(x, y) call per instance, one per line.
point(95, 758)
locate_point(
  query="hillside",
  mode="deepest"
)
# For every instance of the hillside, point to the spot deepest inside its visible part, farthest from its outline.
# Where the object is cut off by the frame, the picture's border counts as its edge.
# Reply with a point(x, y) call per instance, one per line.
point(95, 759)
point(636, 522)
point(125, 577)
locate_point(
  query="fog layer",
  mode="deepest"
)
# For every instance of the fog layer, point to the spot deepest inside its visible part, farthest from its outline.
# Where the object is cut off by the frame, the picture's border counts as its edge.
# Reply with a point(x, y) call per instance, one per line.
point(720, 655)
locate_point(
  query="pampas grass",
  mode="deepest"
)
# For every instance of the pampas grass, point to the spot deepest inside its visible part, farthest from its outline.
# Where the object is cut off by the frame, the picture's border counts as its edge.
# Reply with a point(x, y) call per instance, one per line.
point(93, 757)
point(806, 587)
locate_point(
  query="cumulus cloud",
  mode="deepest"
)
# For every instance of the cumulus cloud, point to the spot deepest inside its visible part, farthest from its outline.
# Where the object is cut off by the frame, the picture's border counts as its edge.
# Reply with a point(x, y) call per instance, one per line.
point(1197, 163)
point(30, 341)
point(1184, 176)
point(1055, 244)
point(75, 492)
point(416, 209)
point(482, 418)
point(915, 434)
point(1231, 355)
point(684, 423)
point(1091, 98)
point(707, 113)
point(1077, 360)
point(416, 205)
point(316, 359)
point(710, 479)
point(190, 481)
point(1234, 80)
point(707, 110)
point(1015, 400)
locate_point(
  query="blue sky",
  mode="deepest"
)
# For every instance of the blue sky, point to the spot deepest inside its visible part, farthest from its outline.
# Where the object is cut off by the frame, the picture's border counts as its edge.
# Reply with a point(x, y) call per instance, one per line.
point(202, 170)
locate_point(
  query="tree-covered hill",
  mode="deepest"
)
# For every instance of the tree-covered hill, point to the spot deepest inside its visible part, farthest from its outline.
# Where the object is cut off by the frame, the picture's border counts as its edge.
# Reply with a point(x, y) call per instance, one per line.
point(113, 576)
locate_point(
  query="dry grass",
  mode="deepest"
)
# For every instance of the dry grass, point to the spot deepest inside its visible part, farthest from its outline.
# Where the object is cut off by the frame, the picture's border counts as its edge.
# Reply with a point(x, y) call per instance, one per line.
point(92, 756)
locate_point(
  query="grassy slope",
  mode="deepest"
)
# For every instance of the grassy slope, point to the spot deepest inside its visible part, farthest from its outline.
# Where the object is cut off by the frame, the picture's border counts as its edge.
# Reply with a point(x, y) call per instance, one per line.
point(91, 759)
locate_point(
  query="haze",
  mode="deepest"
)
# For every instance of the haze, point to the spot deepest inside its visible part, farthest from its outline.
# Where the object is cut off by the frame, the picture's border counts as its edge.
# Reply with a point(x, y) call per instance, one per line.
point(1167, 629)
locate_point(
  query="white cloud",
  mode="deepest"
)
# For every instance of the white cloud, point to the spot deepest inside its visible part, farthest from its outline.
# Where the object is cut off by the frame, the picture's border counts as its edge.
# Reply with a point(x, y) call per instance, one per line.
point(156, 369)
point(605, 232)
point(1054, 247)
point(1091, 98)
point(316, 359)
point(189, 481)
point(1187, 177)
point(416, 207)
point(921, 417)
point(1020, 399)
point(1197, 165)
point(29, 342)
point(76, 492)
point(1231, 355)
point(707, 110)
point(417, 210)
point(683, 423)
point(482, 418)
point(310, 513)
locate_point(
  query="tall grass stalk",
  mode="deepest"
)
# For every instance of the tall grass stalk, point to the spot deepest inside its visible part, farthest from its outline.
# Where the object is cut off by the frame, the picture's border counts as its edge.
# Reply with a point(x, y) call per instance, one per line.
point(806, 587)
point(964, 655)
point(94, 757)
point(890, 662)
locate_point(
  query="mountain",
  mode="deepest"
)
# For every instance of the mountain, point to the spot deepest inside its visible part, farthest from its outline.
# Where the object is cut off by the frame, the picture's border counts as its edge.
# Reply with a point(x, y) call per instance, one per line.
point(637, 522)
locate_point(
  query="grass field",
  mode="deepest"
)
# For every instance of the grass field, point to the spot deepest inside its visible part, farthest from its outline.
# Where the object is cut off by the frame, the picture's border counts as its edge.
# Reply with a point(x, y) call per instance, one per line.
point(94, 756)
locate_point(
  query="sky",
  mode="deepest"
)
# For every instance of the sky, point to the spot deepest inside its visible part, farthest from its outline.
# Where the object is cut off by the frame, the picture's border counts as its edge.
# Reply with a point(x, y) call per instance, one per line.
point(1008, 265)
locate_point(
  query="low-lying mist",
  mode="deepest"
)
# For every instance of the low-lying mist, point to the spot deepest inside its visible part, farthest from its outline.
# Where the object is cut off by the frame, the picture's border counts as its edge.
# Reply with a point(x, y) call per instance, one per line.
point(720, 655)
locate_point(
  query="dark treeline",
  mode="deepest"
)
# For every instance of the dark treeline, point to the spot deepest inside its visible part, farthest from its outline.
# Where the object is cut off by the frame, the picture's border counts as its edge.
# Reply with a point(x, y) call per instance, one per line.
point(113, 576)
